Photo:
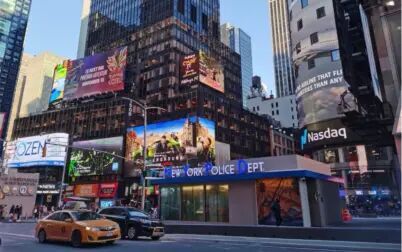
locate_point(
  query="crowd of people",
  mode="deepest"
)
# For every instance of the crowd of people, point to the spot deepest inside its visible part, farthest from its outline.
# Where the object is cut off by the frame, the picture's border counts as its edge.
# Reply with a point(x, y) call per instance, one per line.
point(361, 206)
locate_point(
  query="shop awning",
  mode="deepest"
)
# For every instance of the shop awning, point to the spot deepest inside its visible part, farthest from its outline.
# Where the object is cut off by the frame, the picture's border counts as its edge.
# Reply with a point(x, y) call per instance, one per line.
point(253, 176)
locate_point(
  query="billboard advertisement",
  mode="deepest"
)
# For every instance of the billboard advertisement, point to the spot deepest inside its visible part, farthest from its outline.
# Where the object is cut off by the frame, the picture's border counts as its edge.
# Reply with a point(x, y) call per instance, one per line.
point(59, 79)
point(96, 74)
point(187, 141)
point(321, 90)
point(287, 192)
point(190, 68)
point(203, 68)
point(90, 158)
point(44, 150)
point(211, 72)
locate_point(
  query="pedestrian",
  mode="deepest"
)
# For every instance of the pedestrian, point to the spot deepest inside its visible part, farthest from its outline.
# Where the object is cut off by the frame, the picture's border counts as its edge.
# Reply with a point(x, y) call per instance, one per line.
point(36, 212)
point(276, 210)
point(19, 214)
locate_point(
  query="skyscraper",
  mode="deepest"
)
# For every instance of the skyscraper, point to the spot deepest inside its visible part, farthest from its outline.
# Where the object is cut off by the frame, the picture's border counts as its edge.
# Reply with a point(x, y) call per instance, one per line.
point(32, 91)
point(240, 42)
point(284, 76)
point(13, 23)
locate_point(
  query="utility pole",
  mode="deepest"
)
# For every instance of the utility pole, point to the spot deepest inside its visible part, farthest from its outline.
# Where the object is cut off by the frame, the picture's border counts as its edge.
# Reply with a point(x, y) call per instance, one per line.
point(145, 109)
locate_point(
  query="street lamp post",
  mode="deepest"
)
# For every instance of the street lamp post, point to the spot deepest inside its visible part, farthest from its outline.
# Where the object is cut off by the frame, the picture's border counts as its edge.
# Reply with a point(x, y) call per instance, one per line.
point(145, 109)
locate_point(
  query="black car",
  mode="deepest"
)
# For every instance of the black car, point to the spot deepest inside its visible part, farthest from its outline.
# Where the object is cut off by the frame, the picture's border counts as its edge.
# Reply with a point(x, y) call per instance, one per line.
point(134, 223)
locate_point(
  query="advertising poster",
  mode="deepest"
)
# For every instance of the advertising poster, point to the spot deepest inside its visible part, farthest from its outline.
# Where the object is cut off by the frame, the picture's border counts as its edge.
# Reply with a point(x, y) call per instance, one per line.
point(59, 79)
point(86, 161)
point(96, 74)
point(190, 68)
point(287, 191)
point(211, 72)
point(173, 143)
point(44, 150)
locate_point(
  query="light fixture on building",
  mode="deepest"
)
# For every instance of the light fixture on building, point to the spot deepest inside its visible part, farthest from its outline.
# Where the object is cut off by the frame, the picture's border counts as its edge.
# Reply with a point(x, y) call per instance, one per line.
point(390, 3)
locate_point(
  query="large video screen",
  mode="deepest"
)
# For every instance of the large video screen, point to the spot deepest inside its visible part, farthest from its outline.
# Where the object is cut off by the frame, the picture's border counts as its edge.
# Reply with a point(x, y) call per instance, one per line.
point(96, 74)
point(59, 79)
point(190, 69)
point(173, 143)
point(87, 160)
point(211, 73)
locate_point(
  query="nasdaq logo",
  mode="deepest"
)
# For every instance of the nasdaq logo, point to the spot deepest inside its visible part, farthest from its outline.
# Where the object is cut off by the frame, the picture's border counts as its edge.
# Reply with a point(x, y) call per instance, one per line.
point(310, 137)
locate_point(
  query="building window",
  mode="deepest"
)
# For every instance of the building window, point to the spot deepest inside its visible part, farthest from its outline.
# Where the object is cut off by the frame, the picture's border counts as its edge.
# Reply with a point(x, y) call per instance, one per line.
point(272, 105)
point(273, 112)
point(320, 12)
point(291, 109)
point(204, 22)
point(276, 104)
point(298, 48)
point(293, 117)
point(170, 203)
point(253, 109)
point(217, 203)
point(193, 203)
point(194, 13)
point(335, 55)
point(314, 38)
point(258, 108)
point(277, 112)
point(299, 24)
point(180, 6)
point(311, 63)
point(304, 3)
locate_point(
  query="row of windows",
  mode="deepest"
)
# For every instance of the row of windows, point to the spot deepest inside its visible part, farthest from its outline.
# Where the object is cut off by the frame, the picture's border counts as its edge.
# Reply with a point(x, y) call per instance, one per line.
point(335, 56)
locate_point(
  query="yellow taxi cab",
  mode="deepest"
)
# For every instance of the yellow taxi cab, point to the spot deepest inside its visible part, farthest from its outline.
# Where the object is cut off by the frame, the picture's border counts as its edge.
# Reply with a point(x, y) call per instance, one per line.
point(77, 227)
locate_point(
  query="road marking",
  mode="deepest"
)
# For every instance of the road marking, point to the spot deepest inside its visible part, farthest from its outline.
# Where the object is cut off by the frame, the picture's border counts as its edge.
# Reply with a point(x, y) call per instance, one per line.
point(18, 235)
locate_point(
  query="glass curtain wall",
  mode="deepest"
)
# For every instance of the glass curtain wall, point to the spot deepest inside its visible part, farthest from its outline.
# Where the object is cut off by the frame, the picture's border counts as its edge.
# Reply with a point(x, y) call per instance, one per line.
point(203, 203)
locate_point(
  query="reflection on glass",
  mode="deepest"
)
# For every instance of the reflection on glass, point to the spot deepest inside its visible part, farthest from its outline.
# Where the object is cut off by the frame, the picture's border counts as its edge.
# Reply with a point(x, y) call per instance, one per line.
point(193, 203)
point(170, 203)
point(217, 209)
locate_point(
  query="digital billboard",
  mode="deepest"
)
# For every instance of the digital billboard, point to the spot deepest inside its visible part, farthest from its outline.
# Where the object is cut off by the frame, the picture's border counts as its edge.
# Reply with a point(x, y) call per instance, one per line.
point(190, 68)
point(96, 74)
point(44, 150)
point(203, 68)
point(187, 141)
point(211, 72)
point(85, 160)
point(59, 79)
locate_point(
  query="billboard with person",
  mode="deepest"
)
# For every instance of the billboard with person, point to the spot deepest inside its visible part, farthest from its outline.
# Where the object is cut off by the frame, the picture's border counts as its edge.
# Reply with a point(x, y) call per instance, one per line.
point(187, 141)
point(96, 157)
point(96, 74)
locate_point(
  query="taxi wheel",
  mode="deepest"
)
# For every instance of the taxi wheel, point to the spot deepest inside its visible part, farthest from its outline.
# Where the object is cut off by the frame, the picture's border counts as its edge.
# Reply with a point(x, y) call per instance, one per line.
point(155, 238)
point(76, 239)
point(42, 236)
point(132, 233)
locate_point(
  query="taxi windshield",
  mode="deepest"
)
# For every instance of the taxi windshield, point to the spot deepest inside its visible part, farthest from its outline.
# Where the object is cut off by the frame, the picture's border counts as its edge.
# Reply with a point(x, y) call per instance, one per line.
point(86, 216)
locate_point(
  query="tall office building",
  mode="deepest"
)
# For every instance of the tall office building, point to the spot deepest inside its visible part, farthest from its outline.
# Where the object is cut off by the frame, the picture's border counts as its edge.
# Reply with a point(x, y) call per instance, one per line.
point(13, 23)
point(284, 75)
point(86, 6)
point(240, 42)
point(32, 91)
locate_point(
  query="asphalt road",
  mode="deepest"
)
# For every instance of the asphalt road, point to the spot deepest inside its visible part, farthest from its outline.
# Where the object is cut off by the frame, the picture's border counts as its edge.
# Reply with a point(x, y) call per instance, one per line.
point(19, 237)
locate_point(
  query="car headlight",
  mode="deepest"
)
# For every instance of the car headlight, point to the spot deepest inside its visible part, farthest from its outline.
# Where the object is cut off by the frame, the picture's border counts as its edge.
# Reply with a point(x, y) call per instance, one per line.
point(93, 229)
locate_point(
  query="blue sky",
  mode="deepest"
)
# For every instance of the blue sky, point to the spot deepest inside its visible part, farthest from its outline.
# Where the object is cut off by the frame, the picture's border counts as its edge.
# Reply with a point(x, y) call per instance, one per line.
point(54, 26)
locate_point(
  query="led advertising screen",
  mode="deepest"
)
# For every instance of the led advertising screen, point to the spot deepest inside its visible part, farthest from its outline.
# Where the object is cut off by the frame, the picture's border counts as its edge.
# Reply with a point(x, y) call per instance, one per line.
point(211, 72)
point(59, 79)
point(173, 143)
point(85, 160)
point(288, 206)
point(44, 150)
point(190, 68)
point(96, 74)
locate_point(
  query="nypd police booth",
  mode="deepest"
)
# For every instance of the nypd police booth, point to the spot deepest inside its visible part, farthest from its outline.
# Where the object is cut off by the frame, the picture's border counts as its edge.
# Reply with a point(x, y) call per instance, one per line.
point(244, 192)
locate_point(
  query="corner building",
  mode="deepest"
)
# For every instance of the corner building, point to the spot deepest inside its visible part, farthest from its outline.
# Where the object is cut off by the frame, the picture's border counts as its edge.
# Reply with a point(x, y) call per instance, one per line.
point(158, 34)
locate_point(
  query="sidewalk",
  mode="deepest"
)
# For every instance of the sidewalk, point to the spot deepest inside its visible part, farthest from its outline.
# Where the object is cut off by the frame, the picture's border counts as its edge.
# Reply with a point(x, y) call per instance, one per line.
point(358, 233)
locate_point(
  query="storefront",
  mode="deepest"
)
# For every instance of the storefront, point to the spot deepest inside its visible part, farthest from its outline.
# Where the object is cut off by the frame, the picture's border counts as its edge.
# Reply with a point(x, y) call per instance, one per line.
point(99, 195)
point(242, 192)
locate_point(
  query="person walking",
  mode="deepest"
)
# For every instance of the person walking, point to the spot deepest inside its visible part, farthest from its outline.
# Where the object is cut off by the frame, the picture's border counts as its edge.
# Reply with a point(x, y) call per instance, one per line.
point(11, 213)
point(276, 210)
point(19, 214)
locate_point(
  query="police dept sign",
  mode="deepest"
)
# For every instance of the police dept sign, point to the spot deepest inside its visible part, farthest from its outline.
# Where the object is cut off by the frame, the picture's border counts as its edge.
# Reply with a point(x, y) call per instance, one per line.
point(43, 150)
point(233, 168)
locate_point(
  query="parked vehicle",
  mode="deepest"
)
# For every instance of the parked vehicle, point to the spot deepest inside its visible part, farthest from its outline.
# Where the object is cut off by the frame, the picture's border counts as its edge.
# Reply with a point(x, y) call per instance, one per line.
point(77, 227)
point(134, 223)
